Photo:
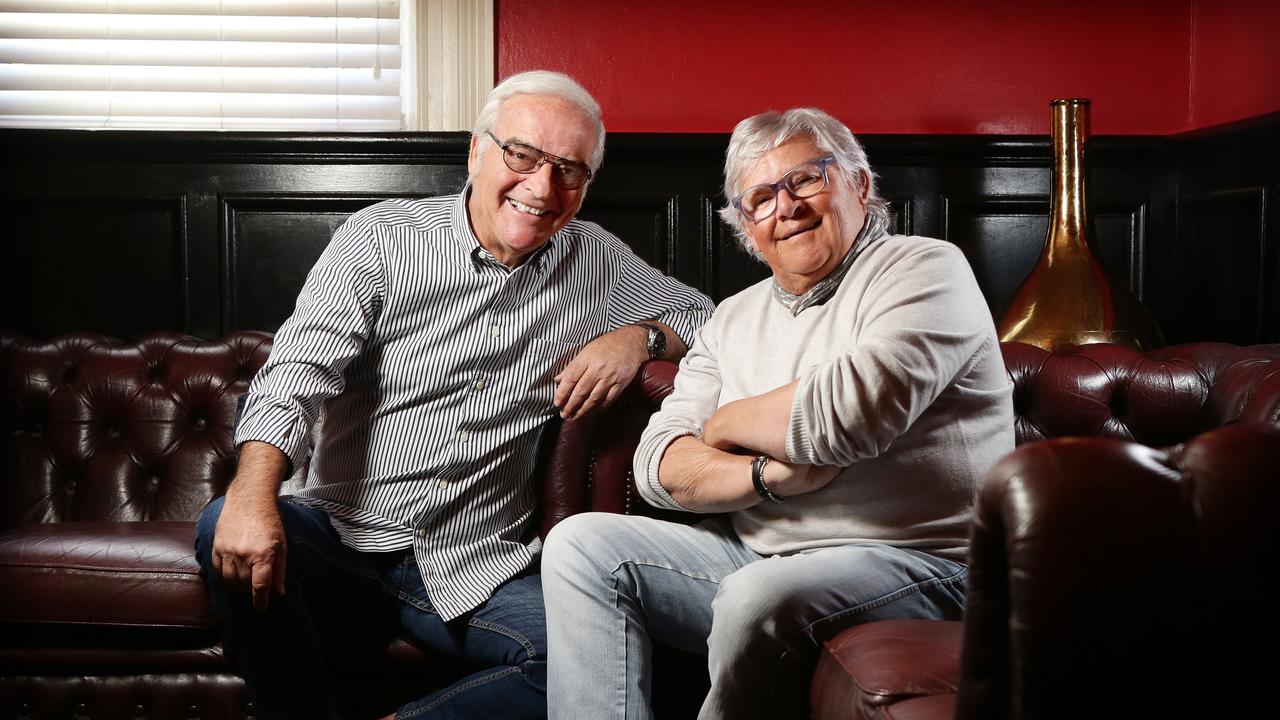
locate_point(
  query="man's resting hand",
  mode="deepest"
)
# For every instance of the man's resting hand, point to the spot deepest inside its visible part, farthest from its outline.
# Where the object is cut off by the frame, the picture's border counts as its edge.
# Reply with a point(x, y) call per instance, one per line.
point(600, 372)
point(249, 546)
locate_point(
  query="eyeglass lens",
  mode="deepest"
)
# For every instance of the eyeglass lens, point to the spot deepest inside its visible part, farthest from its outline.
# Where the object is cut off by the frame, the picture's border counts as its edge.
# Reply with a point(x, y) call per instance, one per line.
point(526, 159)
point(804, 181)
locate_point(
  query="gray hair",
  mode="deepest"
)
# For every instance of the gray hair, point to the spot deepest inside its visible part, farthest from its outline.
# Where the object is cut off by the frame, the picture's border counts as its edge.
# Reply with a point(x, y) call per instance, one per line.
point(543, 82)
point(758, 135)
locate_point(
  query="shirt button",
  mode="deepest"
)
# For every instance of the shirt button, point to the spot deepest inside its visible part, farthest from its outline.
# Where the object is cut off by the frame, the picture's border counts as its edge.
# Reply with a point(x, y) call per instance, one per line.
point(463, 436)
point(479, 385)
point(493, 331)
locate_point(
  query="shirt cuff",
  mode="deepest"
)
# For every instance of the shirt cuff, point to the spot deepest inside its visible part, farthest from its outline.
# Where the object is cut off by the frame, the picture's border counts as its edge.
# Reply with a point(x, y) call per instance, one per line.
point(646, 467)
point(685, 323)
point(277, 424)
point(799, 444)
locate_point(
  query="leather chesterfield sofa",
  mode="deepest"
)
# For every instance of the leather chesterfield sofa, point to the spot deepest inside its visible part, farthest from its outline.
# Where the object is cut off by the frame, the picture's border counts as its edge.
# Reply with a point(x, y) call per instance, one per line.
point(111, 449)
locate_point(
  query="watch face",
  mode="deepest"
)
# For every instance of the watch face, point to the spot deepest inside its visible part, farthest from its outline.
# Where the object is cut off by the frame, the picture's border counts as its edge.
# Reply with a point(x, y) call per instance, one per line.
point(657, 344)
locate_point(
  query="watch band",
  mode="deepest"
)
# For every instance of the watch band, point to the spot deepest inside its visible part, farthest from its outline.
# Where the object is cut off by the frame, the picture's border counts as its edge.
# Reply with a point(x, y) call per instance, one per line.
point(757, 479)
point(656, 342)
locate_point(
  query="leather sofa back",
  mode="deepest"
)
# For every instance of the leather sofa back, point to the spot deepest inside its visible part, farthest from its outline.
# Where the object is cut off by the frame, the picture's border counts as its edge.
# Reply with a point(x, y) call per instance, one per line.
point(101, 430)
point(1158, 398)
point(96, 429)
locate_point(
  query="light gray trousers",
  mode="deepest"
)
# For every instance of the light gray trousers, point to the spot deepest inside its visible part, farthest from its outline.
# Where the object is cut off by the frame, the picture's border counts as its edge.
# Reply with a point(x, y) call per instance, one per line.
point(614, 584)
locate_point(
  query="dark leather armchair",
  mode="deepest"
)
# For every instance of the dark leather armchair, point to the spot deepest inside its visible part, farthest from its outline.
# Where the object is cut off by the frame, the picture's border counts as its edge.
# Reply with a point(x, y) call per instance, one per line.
point(1117, 572)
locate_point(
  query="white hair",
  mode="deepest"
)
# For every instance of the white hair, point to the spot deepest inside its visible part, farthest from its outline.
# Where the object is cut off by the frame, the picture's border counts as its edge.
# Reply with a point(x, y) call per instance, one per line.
point(547, 83)
point(758, 135)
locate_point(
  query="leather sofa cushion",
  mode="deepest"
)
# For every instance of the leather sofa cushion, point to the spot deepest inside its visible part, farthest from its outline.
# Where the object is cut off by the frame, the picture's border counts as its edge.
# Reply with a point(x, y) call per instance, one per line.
point(139, 574)
point(931, 707)
point(865, 669)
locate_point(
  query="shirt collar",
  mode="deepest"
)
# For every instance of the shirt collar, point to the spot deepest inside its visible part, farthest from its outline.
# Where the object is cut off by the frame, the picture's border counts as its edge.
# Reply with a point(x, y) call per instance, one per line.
point(872, 229)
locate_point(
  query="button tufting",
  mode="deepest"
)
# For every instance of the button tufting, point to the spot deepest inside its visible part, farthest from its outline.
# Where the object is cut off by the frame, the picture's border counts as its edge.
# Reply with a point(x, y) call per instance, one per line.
point(198, 424)
point(139, 711)
point(154, 482)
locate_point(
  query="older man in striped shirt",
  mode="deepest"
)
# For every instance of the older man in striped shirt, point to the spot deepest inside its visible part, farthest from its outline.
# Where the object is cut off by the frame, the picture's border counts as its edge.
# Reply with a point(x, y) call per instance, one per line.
point(435, 337)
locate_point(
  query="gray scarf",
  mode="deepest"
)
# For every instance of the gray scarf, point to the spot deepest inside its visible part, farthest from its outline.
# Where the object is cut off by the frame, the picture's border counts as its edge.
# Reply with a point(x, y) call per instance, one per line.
point(873, 229)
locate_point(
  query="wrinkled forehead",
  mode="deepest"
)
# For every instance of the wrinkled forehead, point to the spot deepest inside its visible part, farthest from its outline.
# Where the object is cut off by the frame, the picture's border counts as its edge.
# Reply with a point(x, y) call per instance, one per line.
point(773, 164)
point(549, 123)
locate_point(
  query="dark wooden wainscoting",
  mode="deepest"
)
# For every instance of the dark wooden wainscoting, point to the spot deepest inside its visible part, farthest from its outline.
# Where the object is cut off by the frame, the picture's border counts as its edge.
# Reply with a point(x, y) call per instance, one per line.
point(129, 232)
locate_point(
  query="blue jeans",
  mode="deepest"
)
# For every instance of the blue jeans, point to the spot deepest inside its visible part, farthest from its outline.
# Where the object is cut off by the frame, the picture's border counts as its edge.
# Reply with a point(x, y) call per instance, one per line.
point(328, 583)
point(614, 584)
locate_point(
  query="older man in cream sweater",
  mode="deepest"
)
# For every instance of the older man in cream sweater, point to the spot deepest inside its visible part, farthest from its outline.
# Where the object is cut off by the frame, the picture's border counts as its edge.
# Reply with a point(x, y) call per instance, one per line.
point(836, 418)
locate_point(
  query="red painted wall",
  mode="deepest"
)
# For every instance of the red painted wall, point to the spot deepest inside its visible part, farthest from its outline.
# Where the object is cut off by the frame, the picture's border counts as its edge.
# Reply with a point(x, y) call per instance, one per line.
point(964, 66)
point(1235, 60)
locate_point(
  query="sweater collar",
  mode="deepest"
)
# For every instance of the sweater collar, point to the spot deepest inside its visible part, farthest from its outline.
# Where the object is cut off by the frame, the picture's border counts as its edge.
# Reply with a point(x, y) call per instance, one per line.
point(872, 229)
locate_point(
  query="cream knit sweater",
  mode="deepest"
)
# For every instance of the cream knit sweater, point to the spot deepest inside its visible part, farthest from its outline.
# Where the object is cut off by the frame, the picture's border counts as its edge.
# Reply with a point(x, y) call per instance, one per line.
point(901, 383)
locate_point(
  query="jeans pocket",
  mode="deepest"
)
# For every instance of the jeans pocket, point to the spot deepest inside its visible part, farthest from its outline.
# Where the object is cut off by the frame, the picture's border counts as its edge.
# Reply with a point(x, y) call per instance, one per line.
point(404, 582)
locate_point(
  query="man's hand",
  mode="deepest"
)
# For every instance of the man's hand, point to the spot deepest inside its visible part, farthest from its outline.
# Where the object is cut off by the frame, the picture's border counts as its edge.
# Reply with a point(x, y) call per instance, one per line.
point(249, 546)
point(601, 371)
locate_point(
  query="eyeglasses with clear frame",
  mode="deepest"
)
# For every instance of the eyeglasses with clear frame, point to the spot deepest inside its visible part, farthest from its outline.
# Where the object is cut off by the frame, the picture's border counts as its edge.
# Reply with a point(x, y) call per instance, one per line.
point(526, 160)
point(807, 179)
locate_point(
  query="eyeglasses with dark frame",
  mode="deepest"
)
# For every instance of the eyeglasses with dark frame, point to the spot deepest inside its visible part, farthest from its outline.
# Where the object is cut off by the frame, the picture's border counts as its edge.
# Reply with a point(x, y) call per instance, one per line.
point(807, 179)
point(526, 160)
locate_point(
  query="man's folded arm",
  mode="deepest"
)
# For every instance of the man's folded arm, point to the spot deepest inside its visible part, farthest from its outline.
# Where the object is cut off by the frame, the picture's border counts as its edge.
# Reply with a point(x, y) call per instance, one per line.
point(927, 325)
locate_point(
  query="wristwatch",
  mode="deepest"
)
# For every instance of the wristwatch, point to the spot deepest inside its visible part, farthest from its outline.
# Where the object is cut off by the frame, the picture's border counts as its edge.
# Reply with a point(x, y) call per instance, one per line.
point(657, 341)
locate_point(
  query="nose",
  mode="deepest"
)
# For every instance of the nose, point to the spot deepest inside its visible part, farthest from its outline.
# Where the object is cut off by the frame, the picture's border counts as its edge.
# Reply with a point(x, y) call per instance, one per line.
point(539, 181)
point(786, 204)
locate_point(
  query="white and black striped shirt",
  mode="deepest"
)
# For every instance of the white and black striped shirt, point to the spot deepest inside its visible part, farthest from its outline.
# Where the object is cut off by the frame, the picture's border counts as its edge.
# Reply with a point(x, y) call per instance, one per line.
point(432, 364)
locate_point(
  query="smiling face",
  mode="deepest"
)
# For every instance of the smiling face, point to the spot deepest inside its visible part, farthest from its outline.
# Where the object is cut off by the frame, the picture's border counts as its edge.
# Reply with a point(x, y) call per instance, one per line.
point(511, 214)
point(805, 239)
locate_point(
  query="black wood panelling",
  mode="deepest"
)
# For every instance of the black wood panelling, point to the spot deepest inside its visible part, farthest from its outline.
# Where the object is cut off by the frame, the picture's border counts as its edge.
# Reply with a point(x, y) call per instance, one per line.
point(130, 232)
point(1227, 254)
point(271, 242)
point(110, 264)
point(1222, 292)
point(993, 232)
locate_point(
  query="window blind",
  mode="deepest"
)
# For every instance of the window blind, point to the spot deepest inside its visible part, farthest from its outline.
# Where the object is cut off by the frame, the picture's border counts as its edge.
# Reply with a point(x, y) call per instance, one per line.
point(201, 64)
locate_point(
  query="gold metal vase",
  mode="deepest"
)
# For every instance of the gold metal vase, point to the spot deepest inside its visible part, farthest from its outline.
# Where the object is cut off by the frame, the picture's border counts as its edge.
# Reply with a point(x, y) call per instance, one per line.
point(1069, 297)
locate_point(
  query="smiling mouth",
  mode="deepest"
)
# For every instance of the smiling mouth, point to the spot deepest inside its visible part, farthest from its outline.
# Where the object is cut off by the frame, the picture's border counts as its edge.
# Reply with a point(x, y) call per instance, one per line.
point(802, 230)
point(526, 209)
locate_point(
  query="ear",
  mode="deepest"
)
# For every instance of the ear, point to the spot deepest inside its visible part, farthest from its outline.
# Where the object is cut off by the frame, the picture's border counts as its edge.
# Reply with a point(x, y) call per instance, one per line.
point(473, 157)
point(864, 187)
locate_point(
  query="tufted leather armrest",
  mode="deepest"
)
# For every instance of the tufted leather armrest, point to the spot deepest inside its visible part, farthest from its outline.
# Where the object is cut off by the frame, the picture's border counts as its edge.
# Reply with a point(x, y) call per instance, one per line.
point(1103, 574)
point(588, 464)
point(1099, 569)
point(1099, 565)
